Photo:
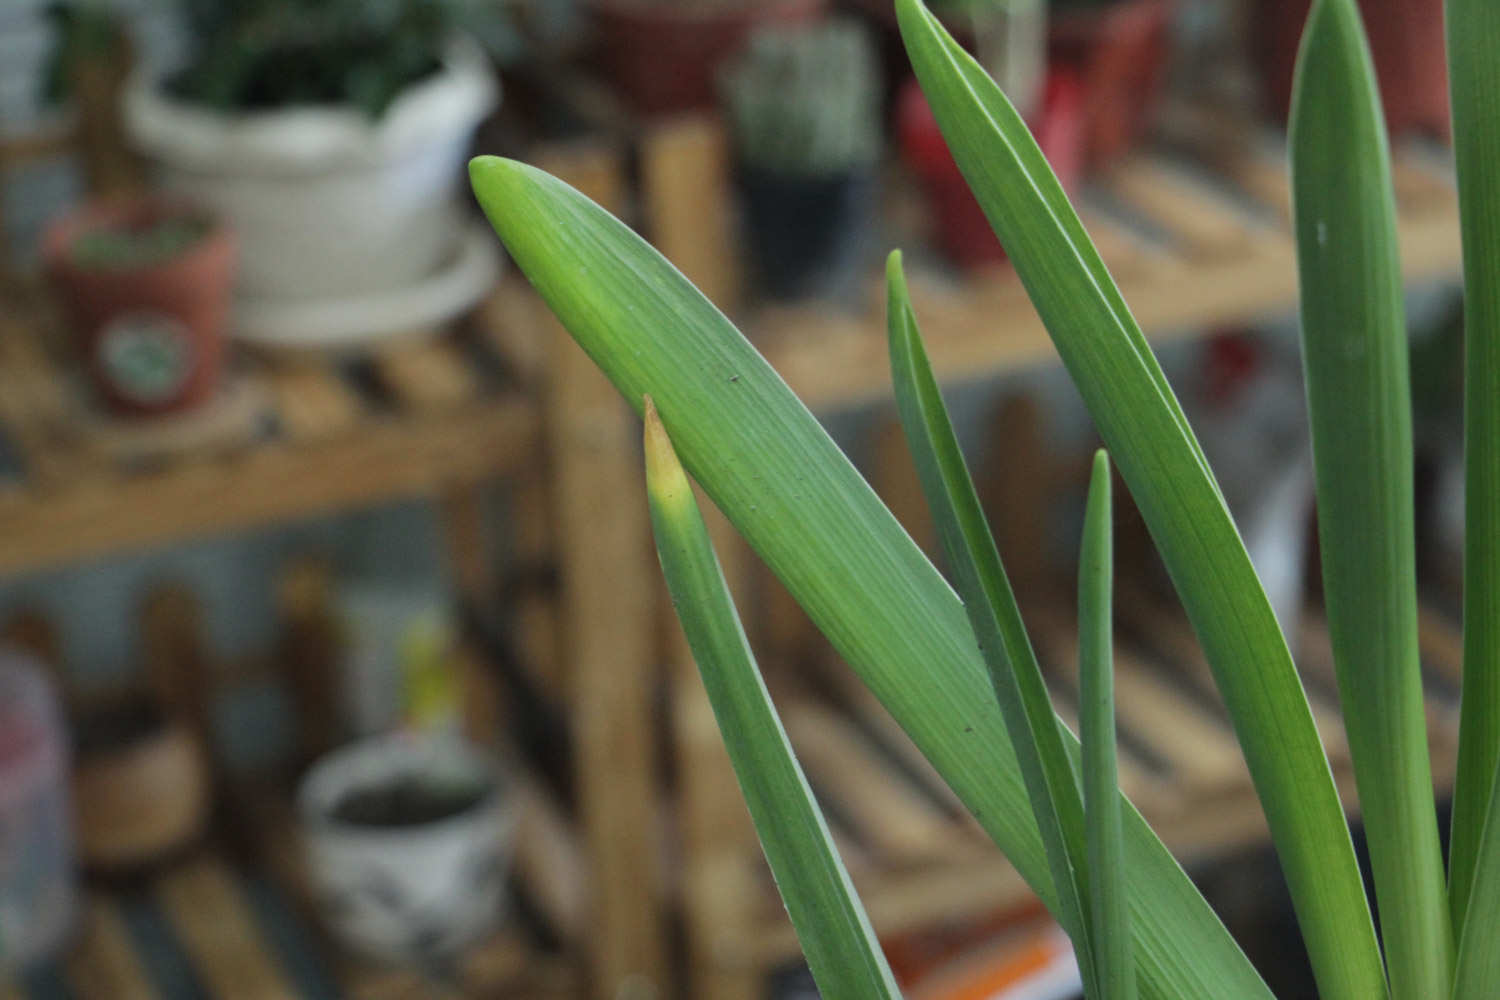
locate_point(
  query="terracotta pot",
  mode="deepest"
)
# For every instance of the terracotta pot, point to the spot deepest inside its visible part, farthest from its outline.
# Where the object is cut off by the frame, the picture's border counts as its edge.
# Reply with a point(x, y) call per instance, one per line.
point(962, 229)
point(1406, 41)
point(143, 794)
point(664, 56)
point(1118, 52)
point(152, 336)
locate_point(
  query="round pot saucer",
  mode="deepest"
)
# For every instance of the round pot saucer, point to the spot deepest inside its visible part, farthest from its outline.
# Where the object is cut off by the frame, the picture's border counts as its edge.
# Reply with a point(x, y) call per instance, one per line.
point(357, 323)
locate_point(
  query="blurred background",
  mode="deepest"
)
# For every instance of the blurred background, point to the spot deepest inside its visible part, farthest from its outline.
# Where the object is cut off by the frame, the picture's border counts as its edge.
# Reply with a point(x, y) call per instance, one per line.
point(334, 660)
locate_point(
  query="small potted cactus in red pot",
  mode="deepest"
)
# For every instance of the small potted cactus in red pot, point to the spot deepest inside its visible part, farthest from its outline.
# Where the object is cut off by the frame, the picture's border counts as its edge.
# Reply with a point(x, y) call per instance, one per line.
point(145, 284)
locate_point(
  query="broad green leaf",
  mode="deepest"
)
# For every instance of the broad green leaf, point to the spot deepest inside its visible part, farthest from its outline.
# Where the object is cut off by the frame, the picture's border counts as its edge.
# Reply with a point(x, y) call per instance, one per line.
point(1359, 406)
point(783, 483)
point(1141, 422)
point(994, 616)
point(1110, 914)
point(840, 946)
point(1474, 79)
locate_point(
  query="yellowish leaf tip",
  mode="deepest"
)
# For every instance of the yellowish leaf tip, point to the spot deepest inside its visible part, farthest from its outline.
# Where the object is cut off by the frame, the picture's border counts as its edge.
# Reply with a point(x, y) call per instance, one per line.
point(665, 478)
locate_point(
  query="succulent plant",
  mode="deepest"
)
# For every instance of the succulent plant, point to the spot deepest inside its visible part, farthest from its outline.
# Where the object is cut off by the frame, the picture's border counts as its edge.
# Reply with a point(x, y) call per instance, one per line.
point(806, 102)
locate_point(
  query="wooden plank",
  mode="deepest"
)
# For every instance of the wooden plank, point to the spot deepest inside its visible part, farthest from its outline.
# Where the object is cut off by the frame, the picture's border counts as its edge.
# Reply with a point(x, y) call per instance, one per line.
point(888, 815)
point(312, 403)
point(894, 476)
point(1204, 222)
point(509, 321)
point(385, 461)
point(1168, 633)
point(688, 204)
point(1442, 643)
point(534, 609)
point(102, 964)
point(605, 568)
point(427, 375)
point(834, 361)
point(1199, 749)
point(219, 934)
point(549, 864)
point(904, 900)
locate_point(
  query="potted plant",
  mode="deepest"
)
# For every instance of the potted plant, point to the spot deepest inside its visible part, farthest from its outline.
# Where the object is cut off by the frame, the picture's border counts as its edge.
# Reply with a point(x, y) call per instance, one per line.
point(1118, 49)
point(961, 229)
point(664, 55)
point(952, 662)
point(1406, 41)
point(145, 283)
point(329, 134)
point(408, 844)
point(804, 110)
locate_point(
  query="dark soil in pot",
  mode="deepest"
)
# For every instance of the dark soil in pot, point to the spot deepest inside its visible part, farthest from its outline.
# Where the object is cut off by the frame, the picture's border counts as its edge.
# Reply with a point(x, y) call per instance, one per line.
point(408, 802)
point(807, 235)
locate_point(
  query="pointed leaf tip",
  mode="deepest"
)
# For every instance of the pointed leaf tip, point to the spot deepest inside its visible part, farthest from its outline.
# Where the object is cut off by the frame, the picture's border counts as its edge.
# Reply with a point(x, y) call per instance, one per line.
point(664, 476)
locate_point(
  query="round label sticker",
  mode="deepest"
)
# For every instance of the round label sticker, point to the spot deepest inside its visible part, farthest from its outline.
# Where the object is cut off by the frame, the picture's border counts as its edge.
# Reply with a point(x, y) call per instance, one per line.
point(146, 357)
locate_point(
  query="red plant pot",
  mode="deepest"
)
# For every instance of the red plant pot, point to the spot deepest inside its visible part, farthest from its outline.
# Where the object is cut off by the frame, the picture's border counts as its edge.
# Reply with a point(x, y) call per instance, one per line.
point(962, 229)
point(665, 56)
point(151, 336)
point(1118, 52)
point(1406, 41)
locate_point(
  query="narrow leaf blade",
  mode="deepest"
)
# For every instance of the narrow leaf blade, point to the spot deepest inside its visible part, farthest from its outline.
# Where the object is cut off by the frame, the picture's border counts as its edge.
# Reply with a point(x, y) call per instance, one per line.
point(797, 500)
point(993, 614)
point(1109, 910)
point(840, 946)
point(1141, 422)
point(1359, 406)
point(1474, 79)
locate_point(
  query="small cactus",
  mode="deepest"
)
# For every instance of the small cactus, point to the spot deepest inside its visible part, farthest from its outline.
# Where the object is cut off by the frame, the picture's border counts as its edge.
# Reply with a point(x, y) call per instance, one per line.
point(806, 102)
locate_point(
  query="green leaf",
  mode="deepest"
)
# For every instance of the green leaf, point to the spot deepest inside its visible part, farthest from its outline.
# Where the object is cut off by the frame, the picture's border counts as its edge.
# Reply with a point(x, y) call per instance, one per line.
point(801, 505)
point(1478, 969)
point(1474, 78)
point(1035, 732)
point(1141, 422)
point(1110, 914)
point(1359, 405)
point(840, 946)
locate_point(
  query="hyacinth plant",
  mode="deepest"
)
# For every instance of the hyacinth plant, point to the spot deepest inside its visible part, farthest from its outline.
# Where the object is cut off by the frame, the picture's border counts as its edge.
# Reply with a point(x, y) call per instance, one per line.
point(953, 662)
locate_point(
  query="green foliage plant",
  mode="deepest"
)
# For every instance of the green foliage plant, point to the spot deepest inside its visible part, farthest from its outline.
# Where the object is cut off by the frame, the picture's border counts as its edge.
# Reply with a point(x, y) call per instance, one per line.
point(953, 664)
point(805, 102)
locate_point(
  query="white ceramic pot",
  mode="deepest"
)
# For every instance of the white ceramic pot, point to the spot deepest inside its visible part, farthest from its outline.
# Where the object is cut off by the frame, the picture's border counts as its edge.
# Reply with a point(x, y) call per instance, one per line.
point(408, 893)
point(326, 202)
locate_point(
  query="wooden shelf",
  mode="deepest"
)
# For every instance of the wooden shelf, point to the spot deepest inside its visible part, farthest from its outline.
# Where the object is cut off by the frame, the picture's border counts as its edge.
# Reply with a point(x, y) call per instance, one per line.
point(918, 859)
point(417, 420)
point(1195, 244)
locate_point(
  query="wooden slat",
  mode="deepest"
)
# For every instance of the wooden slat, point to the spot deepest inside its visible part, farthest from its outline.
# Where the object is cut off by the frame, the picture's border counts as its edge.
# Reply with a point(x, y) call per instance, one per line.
point(216, 929)
point(603, 545)
point(1168, 633)
point(888, 814)
point(427, 376)
point(1202, 221)
point(1442, 642)
point(386, 461)
point(1199, 749)
point(550, 864)
point(688, 203)
point(509, 320)
point(894, 476)
point(312, 403)
point(102, 964)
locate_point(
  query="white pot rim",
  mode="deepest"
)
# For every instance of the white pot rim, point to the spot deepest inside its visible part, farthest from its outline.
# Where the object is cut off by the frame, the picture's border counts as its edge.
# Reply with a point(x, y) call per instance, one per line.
point(376, 759)
point(311, 139)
